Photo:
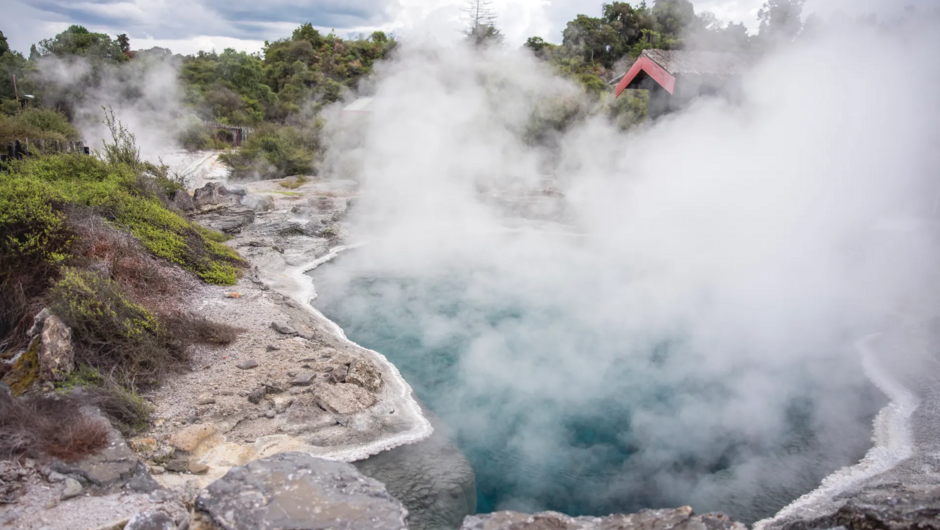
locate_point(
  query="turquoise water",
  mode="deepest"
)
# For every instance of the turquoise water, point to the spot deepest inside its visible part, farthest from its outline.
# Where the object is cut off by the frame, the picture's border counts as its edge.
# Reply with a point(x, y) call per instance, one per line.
point(560, 407)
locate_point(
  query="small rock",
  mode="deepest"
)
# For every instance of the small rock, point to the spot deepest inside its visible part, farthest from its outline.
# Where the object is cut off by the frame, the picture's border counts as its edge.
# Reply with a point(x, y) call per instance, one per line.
point(157, 470)
point(338, 375)
point(151, 520)
point(178, 465)
point(272, 348)
point(55, 477)
point(233, 295)
point(283, 328)
point(256, 395)
point(247, 365)
point(291, 373)
point(182, 201)
point(296, 390)
point(197, 468)
point(270, 413)
point(303, 379)
point(189, 438)
point(205, 399)
point(281, 404)
point(365, 374)
point(73, 488)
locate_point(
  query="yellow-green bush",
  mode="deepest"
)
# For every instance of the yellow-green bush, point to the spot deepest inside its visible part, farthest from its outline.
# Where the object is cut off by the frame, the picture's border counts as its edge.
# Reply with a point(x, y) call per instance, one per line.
point(36, 124)
point(114, 334)
point(115, 191)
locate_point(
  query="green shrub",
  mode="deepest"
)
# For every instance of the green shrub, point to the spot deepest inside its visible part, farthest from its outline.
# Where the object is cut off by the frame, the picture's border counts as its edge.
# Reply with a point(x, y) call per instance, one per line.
point(119, 194)
point(128, 412)
point(276, 151)
point(114, 335)
point(36, 124)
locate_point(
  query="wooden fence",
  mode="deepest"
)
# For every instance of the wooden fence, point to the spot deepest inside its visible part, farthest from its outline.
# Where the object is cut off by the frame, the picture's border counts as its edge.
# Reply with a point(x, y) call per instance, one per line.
point(27, 147)
point(238, 134)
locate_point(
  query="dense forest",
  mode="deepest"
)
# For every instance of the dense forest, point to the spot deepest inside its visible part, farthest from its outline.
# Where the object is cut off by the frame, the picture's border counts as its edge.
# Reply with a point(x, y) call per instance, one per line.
point(280, 91)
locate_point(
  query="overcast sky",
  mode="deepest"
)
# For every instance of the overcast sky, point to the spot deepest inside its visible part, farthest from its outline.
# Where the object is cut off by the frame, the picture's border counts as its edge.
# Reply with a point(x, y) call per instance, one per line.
point(186, 26)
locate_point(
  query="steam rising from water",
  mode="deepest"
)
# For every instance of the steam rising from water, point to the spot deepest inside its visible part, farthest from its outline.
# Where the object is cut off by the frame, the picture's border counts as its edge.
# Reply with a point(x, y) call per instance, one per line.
point(701, 322)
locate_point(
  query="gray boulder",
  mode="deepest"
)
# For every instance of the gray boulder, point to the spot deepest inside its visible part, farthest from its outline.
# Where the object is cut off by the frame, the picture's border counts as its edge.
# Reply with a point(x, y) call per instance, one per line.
point(213, 195)
point(56, 354)
point(182, 201)
point(677, 519)
point(300, 492)
point(230, 219)
point(151, 520)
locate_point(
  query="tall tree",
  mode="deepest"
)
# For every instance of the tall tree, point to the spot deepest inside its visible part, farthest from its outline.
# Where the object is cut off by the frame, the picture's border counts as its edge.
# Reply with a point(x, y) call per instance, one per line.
point(780, 20)
point(674, 17)
point(4, 47)
point(481, 23)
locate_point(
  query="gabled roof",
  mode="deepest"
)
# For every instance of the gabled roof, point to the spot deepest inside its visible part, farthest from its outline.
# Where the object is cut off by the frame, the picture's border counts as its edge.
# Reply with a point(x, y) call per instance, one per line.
point(665, 65)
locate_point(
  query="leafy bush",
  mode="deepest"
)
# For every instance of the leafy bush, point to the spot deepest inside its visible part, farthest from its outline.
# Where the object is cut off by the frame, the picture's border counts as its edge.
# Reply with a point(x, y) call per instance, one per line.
point(114, 335)
point(36, 124)
point(115, 191)
point(275, 151)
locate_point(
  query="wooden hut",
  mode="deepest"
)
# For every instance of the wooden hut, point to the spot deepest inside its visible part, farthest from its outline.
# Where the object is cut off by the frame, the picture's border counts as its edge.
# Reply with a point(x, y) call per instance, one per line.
point(676, 77)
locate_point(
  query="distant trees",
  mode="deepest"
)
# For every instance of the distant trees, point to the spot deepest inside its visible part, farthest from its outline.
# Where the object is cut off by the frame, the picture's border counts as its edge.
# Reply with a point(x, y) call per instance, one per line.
point(780, 20)
point(481, 23)
point(78, 41)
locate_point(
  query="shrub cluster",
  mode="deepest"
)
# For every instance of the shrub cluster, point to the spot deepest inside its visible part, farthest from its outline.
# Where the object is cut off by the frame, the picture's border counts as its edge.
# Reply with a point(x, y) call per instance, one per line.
point(92, 239)
point(36, 124)
point(276, 151)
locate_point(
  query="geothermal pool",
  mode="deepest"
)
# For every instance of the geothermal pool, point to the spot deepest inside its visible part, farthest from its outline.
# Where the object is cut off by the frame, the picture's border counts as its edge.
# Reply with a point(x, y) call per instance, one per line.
point(570, 388)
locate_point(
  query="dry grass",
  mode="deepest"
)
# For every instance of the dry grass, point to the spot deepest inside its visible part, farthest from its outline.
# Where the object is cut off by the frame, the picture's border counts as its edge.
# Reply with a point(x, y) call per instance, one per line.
point(295, 183)
point(153, 282)
point(48, 425)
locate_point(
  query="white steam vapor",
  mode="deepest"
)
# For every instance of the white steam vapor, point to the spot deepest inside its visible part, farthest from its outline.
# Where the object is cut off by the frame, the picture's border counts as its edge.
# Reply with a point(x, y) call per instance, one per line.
point(145, 95)
point(748, 239)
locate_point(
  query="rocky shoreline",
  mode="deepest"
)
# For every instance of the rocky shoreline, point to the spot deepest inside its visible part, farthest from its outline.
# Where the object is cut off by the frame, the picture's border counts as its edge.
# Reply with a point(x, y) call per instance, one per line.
point(257, 433)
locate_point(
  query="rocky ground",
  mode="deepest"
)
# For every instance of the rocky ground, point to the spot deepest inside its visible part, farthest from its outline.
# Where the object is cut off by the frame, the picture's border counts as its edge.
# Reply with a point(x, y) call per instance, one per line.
point(236, 440)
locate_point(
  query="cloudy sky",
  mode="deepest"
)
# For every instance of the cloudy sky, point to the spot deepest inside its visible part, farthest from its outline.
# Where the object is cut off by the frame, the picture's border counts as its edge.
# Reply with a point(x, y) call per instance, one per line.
point(186, 26)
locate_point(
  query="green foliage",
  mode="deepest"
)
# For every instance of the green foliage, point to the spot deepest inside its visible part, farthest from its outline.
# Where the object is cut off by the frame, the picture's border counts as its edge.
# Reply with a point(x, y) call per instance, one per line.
point(275, 151)
point(128, 412)
point(115, 335)
point(115, 191)
point(4, 47)
point(78, 41)
point(33, 228)
point(123, 147)
point(36, 124)
point(780, 20)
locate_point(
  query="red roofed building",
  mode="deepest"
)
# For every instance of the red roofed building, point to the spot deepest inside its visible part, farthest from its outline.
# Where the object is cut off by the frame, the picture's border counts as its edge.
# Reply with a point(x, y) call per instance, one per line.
point(676, 77)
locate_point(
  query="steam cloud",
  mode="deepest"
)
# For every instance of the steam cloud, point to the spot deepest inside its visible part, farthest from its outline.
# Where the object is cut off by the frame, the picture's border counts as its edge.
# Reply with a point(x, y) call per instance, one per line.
point(703, 292)
point(145, 94)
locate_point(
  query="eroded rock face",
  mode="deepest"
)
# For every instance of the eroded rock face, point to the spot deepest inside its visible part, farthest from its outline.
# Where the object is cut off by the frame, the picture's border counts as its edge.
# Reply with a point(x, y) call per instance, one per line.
point(182, 201)
point(300, 492)
point(343, 398)
point(56, 354)
point(677, 519)
point(213, 194)
point(891, 507)
point(230, 219)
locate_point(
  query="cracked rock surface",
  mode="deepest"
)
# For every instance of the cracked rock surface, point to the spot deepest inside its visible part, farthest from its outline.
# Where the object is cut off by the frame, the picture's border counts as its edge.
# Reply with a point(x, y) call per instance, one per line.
point(300, 492)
